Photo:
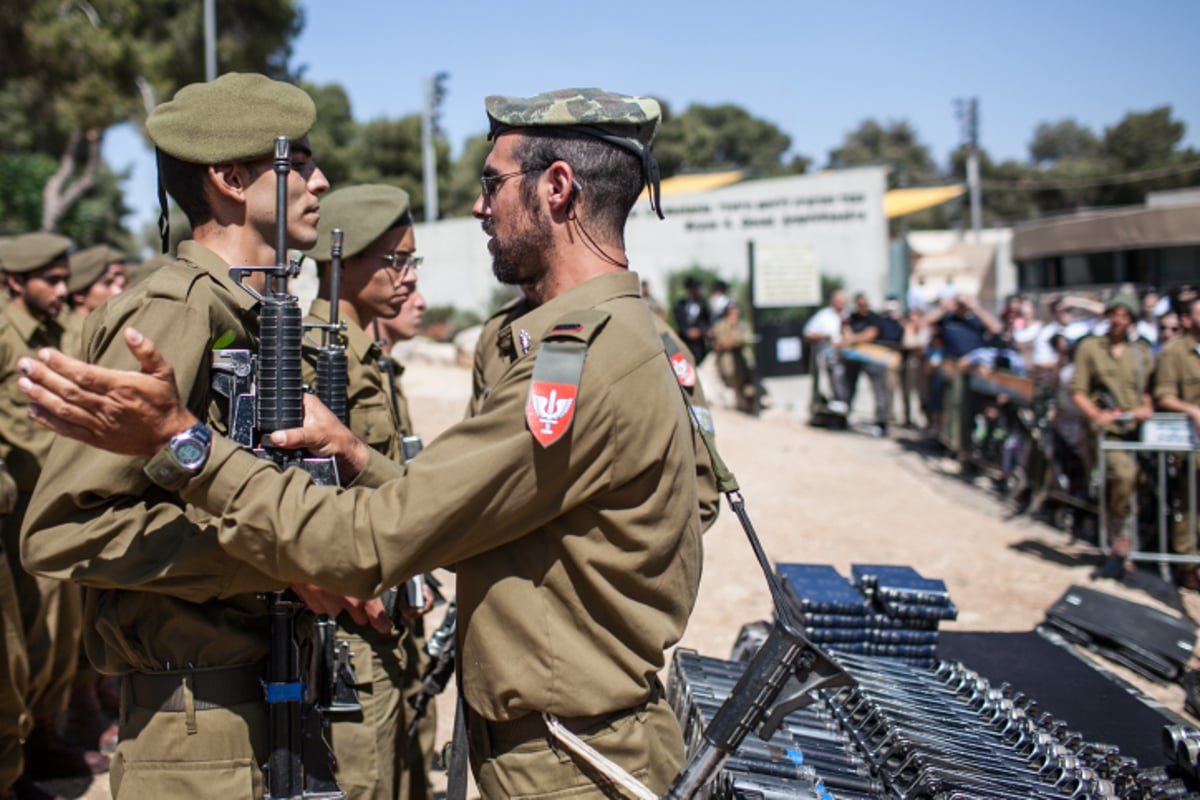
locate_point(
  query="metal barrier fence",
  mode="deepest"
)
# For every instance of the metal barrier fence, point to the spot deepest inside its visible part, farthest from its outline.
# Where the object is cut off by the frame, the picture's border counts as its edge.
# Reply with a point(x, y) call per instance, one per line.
point(1159, 437)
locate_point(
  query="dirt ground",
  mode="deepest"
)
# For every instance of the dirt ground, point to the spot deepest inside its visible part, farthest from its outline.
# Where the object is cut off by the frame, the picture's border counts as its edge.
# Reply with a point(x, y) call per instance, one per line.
point(839, 498)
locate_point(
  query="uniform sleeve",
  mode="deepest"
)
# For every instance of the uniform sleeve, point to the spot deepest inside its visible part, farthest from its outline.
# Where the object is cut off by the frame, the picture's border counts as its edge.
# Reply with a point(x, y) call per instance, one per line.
point(481, 484)
point(1081, 380)
point(95, 519)
point(1167, 376)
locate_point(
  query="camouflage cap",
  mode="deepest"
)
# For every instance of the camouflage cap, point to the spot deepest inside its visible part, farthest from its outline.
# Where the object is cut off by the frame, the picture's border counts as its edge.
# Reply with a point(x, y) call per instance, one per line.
point(231, 119)
point(33, 251)
point(1123, 300)
point(364, 213)
point(89, 264)
point(625, 121)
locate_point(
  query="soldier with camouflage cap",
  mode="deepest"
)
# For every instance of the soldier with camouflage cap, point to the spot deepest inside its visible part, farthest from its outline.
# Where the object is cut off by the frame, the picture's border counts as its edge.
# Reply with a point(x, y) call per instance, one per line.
point(375, 758)
point(568, 502)
point(182, 621)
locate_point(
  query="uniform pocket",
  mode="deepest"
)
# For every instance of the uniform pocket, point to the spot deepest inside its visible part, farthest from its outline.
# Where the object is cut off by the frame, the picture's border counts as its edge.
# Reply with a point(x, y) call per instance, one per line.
point(228, 780)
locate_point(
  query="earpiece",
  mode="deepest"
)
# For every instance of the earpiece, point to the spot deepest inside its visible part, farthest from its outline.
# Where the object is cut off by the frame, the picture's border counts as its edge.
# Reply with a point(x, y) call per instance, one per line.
point(576, 185)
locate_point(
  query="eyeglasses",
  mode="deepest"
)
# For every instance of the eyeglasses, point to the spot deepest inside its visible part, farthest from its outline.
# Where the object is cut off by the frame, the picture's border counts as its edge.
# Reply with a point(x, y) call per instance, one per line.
point(399, 262)
point(491, 183)
point(1169, 328)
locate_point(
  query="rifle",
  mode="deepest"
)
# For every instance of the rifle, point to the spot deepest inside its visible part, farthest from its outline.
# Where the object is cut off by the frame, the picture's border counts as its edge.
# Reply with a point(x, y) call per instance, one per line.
point(265, 395)
point(331, 670)
point(441, 648)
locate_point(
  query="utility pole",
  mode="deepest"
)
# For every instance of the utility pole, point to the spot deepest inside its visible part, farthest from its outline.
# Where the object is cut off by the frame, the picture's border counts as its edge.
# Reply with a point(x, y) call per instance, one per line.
point(968, 117)
point(210, 40)
point(435, 93)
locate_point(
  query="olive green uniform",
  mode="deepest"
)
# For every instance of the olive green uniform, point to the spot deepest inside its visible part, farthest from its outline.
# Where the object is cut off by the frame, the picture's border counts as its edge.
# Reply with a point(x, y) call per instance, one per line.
point(1178, 376)
point(578, 563)
point(736, 370)
point(50, 609)
point(1122, 380)
point(374, 757)
point(15, 720)
point(72, 337)
point(166, 606)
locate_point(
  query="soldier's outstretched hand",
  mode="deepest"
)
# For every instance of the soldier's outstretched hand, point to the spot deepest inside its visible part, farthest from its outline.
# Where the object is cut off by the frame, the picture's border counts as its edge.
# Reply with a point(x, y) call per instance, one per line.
point(126, 412)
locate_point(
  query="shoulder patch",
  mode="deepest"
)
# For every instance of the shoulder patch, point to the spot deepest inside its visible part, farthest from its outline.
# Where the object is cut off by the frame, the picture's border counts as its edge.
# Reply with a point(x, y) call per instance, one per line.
point(578, 326)
point(554, 389)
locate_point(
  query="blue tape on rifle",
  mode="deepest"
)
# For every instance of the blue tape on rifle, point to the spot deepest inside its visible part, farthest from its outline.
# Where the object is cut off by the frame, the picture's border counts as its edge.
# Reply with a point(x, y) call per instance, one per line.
point(796, 756)
point(285, 692)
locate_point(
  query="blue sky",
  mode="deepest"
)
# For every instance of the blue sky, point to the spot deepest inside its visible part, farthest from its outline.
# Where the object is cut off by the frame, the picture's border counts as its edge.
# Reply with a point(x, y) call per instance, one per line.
point(815, 70)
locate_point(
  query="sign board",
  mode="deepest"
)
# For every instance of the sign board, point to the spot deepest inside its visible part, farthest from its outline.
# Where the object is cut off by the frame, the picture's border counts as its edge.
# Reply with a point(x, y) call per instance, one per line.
point(785, 275)
point(1169, 432)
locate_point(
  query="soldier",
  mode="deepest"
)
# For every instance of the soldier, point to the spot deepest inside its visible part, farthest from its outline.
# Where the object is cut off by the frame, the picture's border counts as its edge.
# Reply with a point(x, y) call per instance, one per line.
point(97, 273)
point(183, 622)
point(35, 273)
point(568, 504)
point(379, 276)
point(1112, 376)
point(1177, 388)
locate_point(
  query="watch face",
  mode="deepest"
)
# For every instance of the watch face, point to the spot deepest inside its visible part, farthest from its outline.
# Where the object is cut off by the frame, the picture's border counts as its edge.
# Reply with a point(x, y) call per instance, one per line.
point(190, 452)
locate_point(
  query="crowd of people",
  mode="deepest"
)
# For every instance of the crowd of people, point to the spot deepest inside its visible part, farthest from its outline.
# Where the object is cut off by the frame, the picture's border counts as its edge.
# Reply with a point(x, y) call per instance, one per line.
point(1032, 393)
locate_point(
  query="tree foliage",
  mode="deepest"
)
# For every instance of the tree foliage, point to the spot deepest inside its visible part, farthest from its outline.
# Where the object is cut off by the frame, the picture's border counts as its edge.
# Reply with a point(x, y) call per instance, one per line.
point(894, 144)
point(722, 137)
point(74, 68)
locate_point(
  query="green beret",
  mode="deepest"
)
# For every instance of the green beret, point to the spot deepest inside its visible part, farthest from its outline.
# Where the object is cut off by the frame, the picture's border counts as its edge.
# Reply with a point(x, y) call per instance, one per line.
point(32, 251)
point(88, 266)
point(626, 121)
point(232, 119)
point(364, 213)
point(1123, 300)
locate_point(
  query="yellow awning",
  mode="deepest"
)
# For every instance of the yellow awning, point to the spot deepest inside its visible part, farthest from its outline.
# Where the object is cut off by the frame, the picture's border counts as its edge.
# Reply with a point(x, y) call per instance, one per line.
point(899, 202)
point(700, 182)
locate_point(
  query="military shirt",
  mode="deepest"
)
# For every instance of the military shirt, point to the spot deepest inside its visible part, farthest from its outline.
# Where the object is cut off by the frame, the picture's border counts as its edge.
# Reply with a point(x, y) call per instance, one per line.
point(373, 416)
point(159, 592)
point(72, 338)
point(24, 444)
point(499, 344)
point(1178, 372)
point(578, 563)
point(1125, 379)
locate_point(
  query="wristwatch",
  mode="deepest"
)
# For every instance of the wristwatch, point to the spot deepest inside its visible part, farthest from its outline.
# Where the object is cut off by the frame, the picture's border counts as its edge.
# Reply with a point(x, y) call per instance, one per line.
point(182, 459)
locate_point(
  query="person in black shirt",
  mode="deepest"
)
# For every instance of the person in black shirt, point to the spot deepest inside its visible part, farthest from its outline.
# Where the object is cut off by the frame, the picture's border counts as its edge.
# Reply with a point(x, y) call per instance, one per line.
point(865, 328)
point(692, 319)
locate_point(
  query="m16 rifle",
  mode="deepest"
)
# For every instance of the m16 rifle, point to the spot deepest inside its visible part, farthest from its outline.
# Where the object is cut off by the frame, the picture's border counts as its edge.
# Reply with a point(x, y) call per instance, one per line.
point(331, 671)
point(440, 647)
point(264, 391)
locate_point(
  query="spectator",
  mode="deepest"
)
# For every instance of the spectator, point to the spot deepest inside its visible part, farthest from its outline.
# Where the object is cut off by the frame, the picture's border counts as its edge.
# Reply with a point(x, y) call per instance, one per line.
point(1177, 389)
point(865, 327)
point(692, 319)
point(732, 342)
point(1065, 321)
point(1112, 378)
point(961, 324)
point(823, 332)
point(1147, 323)
point(1169, 329)
point(718, 299)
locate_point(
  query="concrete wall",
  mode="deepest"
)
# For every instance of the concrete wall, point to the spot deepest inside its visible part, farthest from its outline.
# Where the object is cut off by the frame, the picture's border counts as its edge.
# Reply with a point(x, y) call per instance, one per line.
point(838, 215)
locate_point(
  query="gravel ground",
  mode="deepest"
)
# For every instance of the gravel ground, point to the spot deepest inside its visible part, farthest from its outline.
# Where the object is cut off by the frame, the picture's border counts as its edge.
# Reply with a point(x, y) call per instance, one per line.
point(840, 498)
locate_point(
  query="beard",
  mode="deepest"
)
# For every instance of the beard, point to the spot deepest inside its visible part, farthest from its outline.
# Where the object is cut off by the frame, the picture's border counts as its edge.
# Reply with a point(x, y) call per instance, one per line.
point(517, 259)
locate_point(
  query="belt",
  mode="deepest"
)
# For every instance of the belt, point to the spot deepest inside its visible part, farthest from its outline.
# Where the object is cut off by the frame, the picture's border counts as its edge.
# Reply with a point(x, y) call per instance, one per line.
point(211, 688)
point(509, 734)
